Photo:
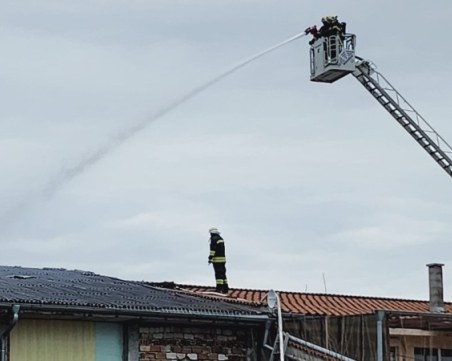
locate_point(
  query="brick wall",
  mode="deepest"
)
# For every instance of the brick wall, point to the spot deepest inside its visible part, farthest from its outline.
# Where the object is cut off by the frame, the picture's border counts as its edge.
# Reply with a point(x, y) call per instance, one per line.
point(172, 343)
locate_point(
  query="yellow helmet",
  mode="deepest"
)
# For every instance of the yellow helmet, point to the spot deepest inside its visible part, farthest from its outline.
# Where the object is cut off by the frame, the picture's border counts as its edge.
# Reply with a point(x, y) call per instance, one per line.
point(329, 19)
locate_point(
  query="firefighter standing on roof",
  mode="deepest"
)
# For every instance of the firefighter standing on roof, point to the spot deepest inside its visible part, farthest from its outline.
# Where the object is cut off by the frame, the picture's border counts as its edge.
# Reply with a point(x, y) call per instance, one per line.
point(217, 257)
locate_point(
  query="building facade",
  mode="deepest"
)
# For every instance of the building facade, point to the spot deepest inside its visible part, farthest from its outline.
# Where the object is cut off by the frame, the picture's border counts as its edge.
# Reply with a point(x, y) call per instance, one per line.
point(62, 315)
point(365, 328)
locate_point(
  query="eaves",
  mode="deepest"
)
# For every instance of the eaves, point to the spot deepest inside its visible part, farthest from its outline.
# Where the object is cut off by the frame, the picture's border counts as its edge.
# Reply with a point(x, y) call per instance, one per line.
point(131, 313)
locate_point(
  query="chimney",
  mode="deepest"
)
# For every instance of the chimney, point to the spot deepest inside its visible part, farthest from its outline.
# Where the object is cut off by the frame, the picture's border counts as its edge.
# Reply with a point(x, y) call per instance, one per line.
point(435, 280)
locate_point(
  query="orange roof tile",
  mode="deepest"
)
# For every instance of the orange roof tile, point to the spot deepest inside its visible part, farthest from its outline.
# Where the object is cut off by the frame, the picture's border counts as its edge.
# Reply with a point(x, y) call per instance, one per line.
point(323, 304)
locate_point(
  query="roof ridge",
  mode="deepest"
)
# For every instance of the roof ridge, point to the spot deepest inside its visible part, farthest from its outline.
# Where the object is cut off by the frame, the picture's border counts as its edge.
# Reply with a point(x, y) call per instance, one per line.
point(208, 295)
point(181, 285)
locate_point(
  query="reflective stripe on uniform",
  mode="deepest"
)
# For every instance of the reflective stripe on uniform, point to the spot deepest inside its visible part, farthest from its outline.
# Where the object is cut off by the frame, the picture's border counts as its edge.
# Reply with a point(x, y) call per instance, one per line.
point(219, 259)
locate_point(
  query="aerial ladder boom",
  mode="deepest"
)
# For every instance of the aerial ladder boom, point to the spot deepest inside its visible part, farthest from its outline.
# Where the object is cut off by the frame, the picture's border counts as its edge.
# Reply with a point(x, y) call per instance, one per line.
point(402, 111)
point(330, 61)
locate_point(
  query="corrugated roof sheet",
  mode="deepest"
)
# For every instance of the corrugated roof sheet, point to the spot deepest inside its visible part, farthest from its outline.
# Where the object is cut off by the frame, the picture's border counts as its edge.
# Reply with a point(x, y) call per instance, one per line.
point(80, 289)
point(325, 304)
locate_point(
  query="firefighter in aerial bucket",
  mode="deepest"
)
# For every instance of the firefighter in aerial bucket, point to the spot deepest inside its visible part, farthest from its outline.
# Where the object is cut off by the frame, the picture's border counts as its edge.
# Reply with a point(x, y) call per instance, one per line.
point(217, 258)
point(330, 26)
point(330, 30)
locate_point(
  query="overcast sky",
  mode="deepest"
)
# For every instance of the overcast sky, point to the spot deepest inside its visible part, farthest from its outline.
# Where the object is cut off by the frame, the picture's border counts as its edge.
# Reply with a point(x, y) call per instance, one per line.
point(314, 186)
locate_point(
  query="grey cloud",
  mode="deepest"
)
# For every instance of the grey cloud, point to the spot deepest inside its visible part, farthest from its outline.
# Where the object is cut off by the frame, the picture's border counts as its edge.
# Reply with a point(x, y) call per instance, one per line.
point(300, 176)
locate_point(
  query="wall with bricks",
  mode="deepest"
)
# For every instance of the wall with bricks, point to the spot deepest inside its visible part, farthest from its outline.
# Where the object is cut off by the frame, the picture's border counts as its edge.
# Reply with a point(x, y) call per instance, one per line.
point(173, 343)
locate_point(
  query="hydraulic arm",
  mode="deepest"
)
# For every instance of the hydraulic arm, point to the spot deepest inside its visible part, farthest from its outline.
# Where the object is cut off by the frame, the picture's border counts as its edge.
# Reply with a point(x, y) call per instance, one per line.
point(402, 111)
point(334, 57)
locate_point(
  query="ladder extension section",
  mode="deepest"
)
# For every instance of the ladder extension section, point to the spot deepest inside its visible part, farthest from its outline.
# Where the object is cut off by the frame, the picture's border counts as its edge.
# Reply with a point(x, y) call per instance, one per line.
point(405, 114)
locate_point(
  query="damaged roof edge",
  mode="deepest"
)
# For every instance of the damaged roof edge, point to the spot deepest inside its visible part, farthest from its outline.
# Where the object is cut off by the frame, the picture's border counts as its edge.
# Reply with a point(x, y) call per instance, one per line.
point(166, 313)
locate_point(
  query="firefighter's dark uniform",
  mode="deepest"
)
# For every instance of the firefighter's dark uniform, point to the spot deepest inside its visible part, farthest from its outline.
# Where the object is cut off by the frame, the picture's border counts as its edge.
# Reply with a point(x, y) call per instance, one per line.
point(217, 257)
point(331, 26)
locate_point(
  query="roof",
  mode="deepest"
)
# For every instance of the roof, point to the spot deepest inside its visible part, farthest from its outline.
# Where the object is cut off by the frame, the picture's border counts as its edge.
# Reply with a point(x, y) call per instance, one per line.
point(324, 304)
point(51, 288)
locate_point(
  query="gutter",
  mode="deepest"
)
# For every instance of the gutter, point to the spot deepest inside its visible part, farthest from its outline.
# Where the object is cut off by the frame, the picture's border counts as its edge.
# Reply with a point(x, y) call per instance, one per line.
point(416, 313)
point(164, 312)
point(4, 335)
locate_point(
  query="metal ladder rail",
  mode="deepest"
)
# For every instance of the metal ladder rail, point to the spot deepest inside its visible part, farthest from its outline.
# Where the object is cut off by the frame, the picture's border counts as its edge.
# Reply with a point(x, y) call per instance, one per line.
point(380, 88)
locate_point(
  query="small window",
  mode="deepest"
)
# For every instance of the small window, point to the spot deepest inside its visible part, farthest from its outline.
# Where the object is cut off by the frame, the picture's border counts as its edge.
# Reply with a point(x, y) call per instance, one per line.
point(446, 354)
point(425, 354)
point(394, 354)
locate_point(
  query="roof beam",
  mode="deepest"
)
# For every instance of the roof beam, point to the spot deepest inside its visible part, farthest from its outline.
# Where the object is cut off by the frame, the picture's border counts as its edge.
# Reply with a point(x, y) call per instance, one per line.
point(416, 332)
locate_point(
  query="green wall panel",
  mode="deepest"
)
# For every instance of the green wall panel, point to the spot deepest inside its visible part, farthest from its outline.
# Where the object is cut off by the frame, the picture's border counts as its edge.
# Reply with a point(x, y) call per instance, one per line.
point(51, 340)
point(42, 340)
